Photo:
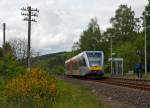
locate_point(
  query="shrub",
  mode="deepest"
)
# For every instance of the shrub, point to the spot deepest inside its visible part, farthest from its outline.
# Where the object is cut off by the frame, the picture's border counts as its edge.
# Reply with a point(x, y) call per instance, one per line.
point(2, 84)
point(10, 67)
point(58, 71)
point(35, 89)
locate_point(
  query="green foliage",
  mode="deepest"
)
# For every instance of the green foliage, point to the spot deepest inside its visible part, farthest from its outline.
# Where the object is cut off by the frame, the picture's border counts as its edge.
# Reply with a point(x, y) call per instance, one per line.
point(128, 52)
point(2, 84)
point(91, 38)
point(1, 52)
point(74, 96)
point(9, 66)
point(110, 32)
point(139, 42)
point(58, 71)
point(35, 89)
point(124, 24)
point(68, 95)
point(54, 64)
point(123, 33)
point(127, 39)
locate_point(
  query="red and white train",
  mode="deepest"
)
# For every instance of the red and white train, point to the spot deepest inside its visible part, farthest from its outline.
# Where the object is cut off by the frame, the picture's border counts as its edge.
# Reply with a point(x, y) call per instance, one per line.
point(85, 64)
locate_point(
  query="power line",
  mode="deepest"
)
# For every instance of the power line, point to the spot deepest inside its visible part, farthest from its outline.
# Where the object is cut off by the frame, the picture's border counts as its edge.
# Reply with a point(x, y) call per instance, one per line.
point(29, 13)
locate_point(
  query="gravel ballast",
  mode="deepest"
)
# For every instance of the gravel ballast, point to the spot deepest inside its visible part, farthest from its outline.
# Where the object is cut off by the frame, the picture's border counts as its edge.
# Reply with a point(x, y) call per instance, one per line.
point(138, 98)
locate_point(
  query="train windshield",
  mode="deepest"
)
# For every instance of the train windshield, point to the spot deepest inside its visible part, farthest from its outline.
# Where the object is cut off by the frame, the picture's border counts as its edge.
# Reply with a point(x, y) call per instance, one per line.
point(94, 58)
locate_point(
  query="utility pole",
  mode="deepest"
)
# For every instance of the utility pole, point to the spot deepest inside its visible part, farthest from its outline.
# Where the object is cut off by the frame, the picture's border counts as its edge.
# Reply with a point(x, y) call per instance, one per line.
point(111, 55)
point(4, 50)
point(4, 38)
point(30, 12)
point(145, 44)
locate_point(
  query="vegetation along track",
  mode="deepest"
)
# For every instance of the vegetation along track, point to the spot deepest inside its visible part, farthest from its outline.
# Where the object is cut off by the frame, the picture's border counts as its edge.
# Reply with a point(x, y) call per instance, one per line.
point(141, 84)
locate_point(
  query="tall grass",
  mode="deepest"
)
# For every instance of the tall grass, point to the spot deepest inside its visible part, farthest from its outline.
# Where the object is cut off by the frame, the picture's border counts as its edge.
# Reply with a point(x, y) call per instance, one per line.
point(75, 96)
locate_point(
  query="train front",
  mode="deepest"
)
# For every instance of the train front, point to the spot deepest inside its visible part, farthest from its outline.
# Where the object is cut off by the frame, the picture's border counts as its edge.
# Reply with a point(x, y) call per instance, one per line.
point(95, 63)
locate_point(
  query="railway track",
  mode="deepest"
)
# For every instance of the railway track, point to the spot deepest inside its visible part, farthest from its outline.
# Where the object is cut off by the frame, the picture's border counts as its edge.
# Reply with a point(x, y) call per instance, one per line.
point(130, 83)
point(141, 84)
point(138, 96)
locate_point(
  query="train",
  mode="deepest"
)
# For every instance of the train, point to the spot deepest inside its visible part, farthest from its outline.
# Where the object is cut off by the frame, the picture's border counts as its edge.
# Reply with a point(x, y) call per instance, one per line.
point(86, 63)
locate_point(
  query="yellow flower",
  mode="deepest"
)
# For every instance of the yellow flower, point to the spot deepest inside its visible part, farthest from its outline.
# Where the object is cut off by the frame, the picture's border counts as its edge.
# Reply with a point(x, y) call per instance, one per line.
point(34, 83)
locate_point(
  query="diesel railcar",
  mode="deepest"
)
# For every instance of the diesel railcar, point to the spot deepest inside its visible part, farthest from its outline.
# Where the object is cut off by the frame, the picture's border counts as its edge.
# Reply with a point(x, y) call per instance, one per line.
point(87, 63)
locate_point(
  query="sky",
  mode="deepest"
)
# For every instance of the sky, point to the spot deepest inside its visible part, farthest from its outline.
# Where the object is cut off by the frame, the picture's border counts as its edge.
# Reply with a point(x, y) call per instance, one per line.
point(60, 22)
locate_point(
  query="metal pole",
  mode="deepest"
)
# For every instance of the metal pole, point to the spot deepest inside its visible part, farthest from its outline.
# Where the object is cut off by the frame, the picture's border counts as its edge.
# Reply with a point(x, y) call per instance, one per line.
point(29, 35)
point(122, 68)
point(4, 50)
point(111, 54)
point(4, 27)
point(145, 48)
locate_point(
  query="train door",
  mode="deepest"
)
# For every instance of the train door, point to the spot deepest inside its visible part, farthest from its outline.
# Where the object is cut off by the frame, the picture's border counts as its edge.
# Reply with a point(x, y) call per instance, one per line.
point(83, 67)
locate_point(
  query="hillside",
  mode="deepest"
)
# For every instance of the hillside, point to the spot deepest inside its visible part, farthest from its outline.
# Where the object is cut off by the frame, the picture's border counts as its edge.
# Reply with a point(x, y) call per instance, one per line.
point(53, 63)
point(47, 56)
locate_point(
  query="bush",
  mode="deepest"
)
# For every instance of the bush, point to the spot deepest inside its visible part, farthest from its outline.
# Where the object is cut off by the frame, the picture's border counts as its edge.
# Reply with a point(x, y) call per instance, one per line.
point(59, 70)
point(35, 89)
point(10, 67)
point(2, 84)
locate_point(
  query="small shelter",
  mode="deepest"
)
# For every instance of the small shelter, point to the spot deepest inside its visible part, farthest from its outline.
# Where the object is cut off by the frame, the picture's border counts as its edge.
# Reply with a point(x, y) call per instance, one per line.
point(117, 66)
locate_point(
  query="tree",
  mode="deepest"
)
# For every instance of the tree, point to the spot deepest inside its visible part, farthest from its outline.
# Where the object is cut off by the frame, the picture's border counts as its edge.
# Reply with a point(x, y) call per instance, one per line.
point(8, 63)
point(90, 39)
point(8, 49)
point(75, 48)
point(146, 15)
point(128, 52)
point(19, 47)
point(124, 24)
point(1, 52)
point(110, 32)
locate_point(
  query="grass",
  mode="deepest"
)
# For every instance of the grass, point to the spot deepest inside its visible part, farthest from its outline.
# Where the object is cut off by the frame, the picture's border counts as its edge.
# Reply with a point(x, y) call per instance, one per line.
point(107, 74)
point(74, 96)
point(68, 96)
point(147, 76)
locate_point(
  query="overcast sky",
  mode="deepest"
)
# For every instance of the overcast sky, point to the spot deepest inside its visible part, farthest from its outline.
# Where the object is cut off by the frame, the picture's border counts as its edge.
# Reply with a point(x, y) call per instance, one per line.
point(60, 22)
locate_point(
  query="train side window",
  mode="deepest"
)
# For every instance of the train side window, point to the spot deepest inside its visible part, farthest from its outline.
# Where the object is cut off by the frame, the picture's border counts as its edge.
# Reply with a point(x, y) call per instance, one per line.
point(84, 63)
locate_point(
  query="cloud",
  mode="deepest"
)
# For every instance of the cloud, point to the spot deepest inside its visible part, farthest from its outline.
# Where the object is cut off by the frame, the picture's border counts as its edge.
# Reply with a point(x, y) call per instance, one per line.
point(60, 22)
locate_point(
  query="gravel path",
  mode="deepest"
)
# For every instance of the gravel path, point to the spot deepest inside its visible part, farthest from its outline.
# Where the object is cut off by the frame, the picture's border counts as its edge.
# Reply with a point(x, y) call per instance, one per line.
point(115, 96)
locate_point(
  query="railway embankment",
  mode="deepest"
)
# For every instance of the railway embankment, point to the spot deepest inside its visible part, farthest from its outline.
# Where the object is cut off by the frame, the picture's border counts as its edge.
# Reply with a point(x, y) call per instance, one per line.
point(126, 97)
